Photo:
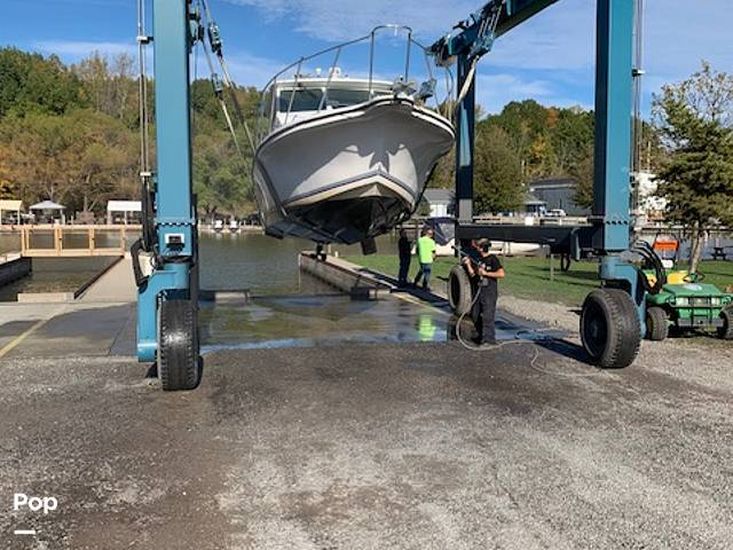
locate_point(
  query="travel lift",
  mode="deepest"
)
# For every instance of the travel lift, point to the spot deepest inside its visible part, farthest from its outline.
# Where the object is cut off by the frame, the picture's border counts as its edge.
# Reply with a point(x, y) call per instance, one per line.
point(612, 319)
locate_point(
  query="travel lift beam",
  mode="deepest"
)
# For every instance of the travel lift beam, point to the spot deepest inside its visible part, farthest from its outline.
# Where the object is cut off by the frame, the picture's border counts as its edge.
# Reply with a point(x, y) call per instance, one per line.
point(613, 317)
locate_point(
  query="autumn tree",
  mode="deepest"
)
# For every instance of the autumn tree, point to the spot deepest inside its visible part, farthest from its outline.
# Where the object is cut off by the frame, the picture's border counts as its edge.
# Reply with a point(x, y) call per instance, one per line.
point(696, 120)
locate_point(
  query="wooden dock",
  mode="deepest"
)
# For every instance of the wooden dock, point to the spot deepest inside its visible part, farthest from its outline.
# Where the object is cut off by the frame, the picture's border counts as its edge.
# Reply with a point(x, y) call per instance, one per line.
point(96, 239)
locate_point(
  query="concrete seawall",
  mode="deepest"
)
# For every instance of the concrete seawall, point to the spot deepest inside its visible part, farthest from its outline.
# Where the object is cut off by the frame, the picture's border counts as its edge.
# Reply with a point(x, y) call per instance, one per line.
point(343, 276)
point(13, 268)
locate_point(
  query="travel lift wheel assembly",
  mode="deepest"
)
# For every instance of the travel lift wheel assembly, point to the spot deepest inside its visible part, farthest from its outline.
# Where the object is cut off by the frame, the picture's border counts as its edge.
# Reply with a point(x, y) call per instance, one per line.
point(613, 318)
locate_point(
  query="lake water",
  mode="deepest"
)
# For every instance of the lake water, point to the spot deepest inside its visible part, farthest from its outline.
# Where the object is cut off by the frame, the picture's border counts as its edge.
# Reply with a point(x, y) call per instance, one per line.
point(252, 261)
point(261, 264)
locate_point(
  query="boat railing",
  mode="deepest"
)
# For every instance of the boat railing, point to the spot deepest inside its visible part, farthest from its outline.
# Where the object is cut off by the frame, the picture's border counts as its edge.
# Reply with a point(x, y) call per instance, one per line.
point(295, 72)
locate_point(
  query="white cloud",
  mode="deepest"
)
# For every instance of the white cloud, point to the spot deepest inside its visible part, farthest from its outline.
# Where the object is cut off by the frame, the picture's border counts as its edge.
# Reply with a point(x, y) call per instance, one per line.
point(250, 70)
point(495, 90)
point(561, 38)
point(346, 19)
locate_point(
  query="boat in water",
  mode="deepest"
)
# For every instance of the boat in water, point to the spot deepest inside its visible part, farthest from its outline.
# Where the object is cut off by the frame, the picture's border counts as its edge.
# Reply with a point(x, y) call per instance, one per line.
point(343, 159)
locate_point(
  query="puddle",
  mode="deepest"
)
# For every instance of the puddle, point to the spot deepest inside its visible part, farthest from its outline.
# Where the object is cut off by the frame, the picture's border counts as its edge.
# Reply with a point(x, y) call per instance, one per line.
point(309, 321)
point(297, 321)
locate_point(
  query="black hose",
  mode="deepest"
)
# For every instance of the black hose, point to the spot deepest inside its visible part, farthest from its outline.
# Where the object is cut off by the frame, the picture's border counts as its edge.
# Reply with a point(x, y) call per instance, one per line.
point(140, 280)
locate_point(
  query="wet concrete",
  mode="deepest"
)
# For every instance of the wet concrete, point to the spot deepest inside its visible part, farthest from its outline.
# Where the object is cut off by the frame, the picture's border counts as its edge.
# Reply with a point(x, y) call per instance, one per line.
point(265, 322)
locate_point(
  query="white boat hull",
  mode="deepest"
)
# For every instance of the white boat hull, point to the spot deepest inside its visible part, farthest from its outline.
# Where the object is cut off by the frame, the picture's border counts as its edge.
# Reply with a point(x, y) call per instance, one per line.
point(349, 174)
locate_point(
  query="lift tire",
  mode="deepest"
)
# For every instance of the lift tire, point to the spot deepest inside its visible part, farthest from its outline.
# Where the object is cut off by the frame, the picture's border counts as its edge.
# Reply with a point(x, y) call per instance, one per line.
point(179, 366)
point(726, 331)
point(657, 324)
point(460, 294)
point(610, 329)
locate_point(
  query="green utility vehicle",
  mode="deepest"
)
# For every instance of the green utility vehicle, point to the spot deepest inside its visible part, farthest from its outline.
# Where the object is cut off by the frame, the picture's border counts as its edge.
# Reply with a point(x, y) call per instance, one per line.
point(687, 303)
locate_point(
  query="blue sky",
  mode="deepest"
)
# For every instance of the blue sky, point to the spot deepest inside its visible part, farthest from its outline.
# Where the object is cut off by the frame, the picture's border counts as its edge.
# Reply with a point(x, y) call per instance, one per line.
point(550, 58)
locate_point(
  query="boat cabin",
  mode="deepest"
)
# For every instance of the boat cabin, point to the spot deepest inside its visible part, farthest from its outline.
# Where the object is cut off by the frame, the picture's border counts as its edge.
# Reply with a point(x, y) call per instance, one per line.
point(291, 101)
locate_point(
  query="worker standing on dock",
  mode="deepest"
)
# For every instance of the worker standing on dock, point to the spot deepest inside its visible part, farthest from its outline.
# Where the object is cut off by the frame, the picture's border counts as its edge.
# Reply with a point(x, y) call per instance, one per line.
point(426, 256)
point(404, 248)
point(488, 270)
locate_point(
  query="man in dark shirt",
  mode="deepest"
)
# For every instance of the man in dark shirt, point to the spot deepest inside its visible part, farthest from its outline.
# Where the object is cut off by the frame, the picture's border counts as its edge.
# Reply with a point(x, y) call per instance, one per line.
point(488, 270)
point(404, 248)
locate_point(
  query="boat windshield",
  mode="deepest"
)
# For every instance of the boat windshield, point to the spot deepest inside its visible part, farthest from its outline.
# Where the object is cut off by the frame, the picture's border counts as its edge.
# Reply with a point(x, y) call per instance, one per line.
point(311, 99)
point(306, 99)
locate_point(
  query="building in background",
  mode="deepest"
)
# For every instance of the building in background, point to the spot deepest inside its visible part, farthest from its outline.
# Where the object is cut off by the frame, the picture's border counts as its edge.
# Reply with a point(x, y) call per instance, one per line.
point(533, 205)
point(10, 211)
point(648, 207)
point(124, 212)
point(557, 194)
point(440, 201)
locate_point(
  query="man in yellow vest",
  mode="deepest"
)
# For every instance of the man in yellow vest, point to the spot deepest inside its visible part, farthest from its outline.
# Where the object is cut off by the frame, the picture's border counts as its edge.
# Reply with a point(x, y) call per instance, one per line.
point(426, 256)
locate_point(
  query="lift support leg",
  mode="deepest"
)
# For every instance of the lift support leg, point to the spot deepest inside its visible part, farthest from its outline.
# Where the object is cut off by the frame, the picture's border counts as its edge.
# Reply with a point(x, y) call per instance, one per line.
point(167, 330)
point(613, 317)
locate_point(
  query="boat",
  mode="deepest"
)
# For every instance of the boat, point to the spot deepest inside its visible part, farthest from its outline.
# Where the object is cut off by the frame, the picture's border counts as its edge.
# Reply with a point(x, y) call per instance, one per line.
point(343, 160)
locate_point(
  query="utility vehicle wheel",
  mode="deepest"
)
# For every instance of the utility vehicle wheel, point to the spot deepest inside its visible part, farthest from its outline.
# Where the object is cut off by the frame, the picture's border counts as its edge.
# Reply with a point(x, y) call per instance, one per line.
point(726, 331)
point(178, 346)
point(459, 290)
point(657, 323)
point(610, 328)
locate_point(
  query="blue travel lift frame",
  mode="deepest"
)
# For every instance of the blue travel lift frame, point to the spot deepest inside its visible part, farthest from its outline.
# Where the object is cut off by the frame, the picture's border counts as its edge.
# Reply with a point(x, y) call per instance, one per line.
point(167, 331)
point(613, 318)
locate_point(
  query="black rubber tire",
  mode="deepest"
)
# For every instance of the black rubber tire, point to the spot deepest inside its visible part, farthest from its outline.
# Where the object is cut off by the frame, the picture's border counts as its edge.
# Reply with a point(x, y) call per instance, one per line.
point(459, 290)
point(726, 331)
point(610, 328)
point(179, 367)
point(657, 323)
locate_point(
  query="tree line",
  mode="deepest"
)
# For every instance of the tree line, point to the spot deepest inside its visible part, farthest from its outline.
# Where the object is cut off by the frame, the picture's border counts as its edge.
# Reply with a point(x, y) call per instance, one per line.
point(527, 142)
point(71, 134)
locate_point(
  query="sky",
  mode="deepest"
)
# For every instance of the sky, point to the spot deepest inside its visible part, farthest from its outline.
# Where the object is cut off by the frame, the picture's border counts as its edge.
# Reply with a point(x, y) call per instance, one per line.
point(549, 58)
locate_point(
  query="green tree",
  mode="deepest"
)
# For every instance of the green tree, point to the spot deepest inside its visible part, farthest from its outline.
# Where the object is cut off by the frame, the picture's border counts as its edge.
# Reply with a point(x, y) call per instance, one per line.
point(110, 87)
point(497, 172)
point(696, 120)
point(30, 82)
point(582, 171)
point(79, 158)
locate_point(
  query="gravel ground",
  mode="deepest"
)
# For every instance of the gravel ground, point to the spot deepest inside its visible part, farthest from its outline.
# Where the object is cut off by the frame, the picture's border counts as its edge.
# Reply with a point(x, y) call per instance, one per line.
point(424, 446)
point(700, 358)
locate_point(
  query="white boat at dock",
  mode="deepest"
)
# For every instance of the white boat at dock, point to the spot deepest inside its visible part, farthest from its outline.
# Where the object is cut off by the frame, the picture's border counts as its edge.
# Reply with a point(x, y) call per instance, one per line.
point(345, 159)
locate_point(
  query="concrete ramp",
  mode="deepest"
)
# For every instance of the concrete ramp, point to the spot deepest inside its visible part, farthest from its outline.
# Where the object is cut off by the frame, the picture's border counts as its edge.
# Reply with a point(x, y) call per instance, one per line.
point(116, 285)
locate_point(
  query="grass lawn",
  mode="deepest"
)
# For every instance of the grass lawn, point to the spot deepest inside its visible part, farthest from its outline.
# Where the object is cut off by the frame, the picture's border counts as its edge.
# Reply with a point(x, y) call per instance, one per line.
point(530, 277)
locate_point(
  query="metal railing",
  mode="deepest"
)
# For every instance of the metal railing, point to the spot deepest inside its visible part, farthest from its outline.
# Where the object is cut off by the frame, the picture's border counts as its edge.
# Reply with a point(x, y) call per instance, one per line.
point(267, 113)
point(71, 241)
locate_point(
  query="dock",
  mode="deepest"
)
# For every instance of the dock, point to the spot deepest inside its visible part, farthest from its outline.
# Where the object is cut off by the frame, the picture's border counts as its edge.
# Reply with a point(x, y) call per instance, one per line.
point(116, 284)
